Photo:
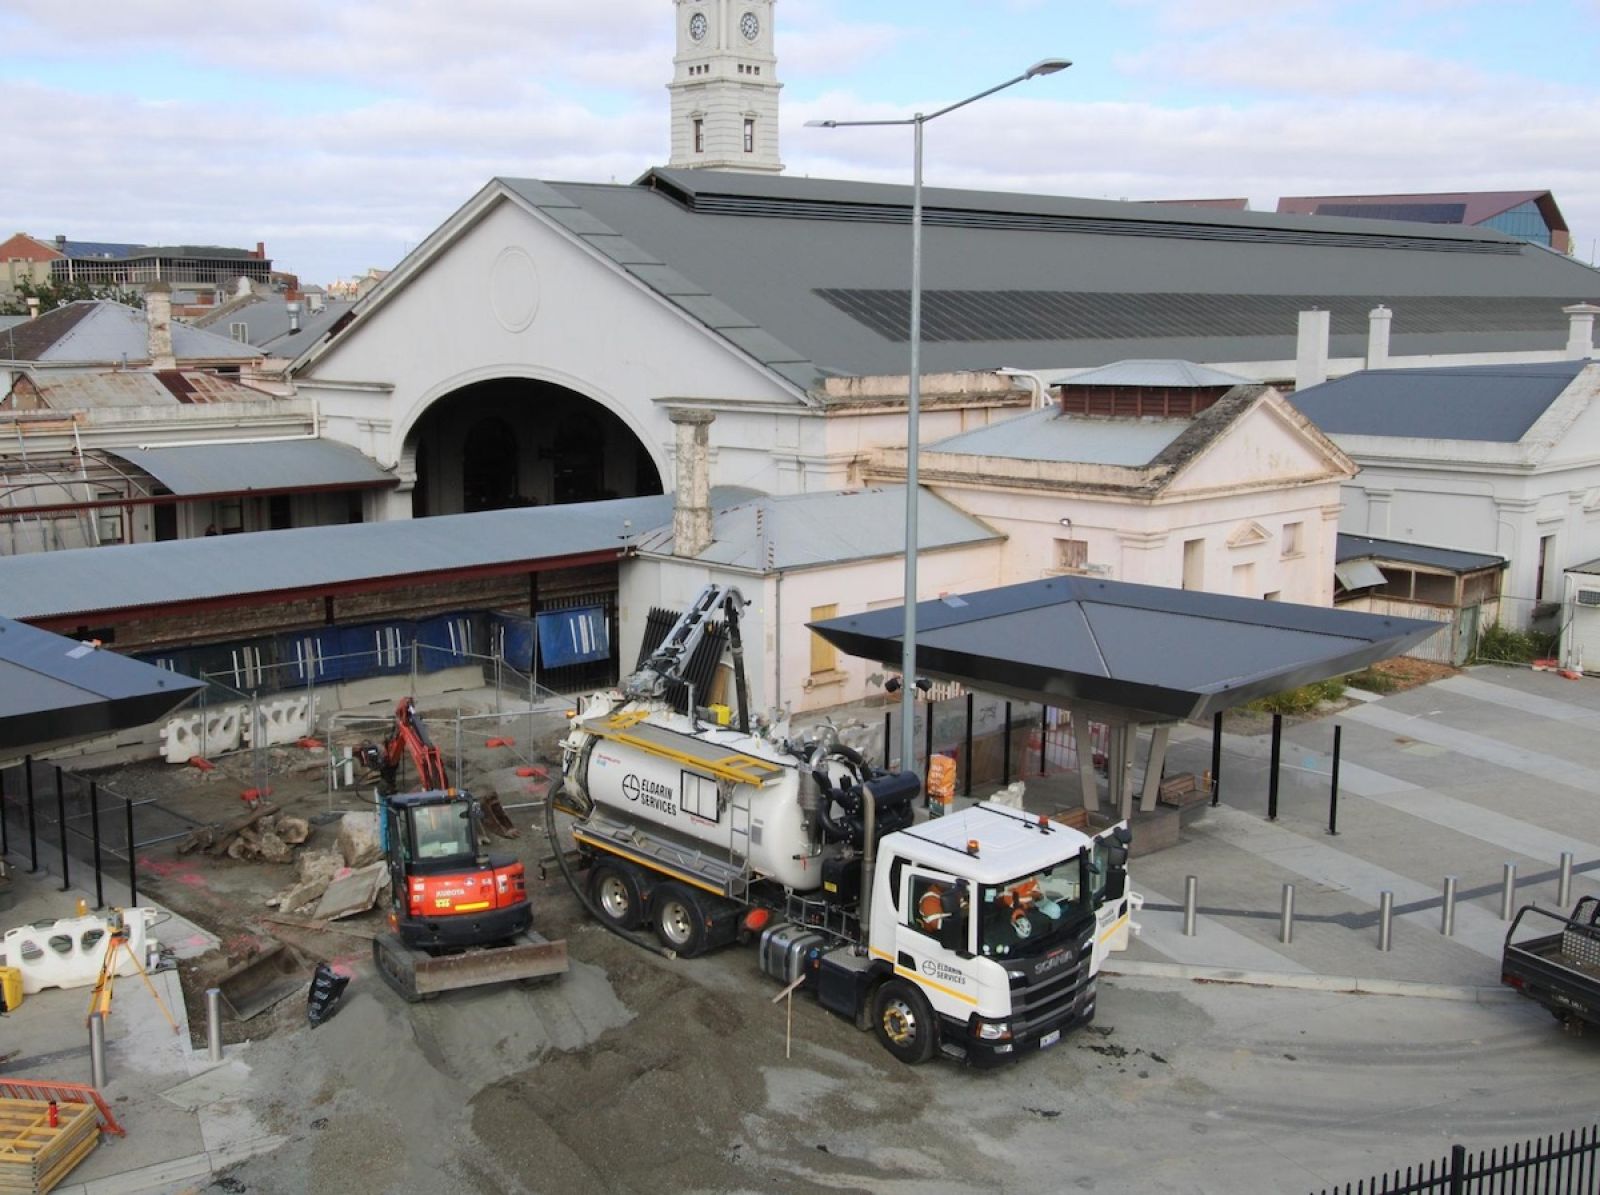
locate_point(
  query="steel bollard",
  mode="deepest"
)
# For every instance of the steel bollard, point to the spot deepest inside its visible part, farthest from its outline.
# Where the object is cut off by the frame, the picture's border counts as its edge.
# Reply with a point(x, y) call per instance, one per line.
point(1447, 923)
point(1508, 892)
point(214, 1024)
point(1191, 894)
point(97, 1050)
point(1564, 883)
point(1286, 920)
point(1385, 919)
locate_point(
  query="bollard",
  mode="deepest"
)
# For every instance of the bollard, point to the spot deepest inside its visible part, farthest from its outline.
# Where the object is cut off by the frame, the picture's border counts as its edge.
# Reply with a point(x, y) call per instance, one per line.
point(1191, 892)
point(1333, 791)
point(97, 1050)
point(214, 1024)
point(1508, 892)
point(94, 831)
point(1447, 923)
point(1216, 757)
point(1286, 919)
point(1564, 883)
point(1385, 919)
point(887, 762)
point(61, 829)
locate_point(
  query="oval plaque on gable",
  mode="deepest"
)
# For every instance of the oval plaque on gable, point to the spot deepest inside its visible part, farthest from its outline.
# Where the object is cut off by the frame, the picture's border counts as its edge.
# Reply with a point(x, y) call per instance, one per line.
point(514, 289)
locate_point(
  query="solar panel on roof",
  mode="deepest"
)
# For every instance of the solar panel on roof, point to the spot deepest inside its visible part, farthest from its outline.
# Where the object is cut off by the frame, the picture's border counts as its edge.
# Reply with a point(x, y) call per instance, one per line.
point(1417, 213)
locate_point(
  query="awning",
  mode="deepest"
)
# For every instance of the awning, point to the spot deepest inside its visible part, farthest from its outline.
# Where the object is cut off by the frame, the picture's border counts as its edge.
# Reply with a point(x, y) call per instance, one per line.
point(1358, 574)
point(194, 470)
point(1141, 653)
point(54, 689)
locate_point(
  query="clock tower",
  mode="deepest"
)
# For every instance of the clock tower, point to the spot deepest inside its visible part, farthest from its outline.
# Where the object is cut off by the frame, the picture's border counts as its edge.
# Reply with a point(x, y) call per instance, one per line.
point(724, 87)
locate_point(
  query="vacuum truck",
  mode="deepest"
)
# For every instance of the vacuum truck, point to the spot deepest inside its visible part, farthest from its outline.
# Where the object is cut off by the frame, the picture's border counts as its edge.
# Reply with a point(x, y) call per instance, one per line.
point(976, 936)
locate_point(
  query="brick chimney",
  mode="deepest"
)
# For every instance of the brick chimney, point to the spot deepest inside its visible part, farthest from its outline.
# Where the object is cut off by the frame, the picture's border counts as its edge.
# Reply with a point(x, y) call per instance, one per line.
point(158, 313)
point(1580, 330)
point(691, 512)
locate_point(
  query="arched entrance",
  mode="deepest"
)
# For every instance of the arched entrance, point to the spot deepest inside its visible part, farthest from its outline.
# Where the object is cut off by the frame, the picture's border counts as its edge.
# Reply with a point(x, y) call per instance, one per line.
point(519, 442)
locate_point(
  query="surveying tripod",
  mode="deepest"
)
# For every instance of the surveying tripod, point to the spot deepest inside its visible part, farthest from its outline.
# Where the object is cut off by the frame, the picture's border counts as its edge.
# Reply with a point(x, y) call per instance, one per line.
point(117, 944)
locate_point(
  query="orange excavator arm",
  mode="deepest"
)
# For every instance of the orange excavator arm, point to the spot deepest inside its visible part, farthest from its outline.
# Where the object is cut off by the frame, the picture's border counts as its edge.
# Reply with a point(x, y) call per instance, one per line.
point(409, 737)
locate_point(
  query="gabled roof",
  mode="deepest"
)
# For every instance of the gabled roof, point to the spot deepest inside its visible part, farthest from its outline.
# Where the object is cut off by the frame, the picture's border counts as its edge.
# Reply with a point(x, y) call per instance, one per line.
point(1135, 652)
point(1451, 207)
point(1497, 403)
point(765, 534)
point(102, 332)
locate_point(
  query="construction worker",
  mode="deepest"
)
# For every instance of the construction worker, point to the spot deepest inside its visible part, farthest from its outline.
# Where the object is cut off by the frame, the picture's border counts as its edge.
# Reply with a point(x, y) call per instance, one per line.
point(930, 909)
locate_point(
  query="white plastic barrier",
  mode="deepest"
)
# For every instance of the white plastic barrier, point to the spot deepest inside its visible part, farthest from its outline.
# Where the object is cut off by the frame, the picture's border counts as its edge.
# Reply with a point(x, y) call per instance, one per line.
point(69, 952)
point(209, 732)
point(282, 720)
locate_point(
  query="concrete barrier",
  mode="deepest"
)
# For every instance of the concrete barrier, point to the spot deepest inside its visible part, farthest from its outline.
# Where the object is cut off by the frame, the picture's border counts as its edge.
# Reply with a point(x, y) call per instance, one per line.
point(69, 952)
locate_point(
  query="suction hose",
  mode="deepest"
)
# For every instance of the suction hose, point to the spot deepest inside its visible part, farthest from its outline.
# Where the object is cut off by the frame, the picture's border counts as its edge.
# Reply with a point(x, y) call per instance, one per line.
point(577, 888)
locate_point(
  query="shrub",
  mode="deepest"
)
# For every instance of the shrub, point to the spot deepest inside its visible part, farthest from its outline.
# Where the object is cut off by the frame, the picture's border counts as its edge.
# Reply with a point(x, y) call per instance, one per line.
point(1299, 701)
point(1501, 645)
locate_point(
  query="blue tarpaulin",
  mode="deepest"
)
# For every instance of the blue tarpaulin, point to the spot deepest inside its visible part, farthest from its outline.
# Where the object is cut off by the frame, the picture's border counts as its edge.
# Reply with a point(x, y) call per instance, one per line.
point(445, 641)
point(514, 634)
point(573, 636)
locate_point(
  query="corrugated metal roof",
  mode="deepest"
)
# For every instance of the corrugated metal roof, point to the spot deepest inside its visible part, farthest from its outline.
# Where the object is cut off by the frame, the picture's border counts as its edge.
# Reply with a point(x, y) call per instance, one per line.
point(1497, 403)
point(196, 469)
point(101, 332)
point(1365, 547)
point(53, 689)
point(266, 320)
point(99, 388)
point(1050, 435)
point(93, 580)
point(1168, 373)
point(1138, 652)
point(820, 267)
point(813, 530)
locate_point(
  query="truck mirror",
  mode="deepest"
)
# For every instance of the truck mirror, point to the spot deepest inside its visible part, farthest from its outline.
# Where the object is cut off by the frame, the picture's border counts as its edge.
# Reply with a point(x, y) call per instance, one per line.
point(1116, 884)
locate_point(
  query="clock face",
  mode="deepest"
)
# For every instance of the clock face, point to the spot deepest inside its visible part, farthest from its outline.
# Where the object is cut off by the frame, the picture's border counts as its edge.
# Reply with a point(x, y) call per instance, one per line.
point(749, 26)
point(697, 26)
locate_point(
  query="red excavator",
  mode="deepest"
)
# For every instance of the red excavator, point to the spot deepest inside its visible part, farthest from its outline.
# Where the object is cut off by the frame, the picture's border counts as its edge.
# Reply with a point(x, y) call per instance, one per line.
point(458, 917)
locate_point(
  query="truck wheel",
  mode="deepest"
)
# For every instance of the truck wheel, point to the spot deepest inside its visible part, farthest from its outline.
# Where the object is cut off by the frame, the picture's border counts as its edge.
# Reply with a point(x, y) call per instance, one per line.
point(680, 921)
point(615, 891)
point(904, 1021)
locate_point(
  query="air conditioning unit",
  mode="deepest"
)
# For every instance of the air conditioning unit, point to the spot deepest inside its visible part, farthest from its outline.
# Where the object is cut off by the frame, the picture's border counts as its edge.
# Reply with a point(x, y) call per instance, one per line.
point(1589, 597)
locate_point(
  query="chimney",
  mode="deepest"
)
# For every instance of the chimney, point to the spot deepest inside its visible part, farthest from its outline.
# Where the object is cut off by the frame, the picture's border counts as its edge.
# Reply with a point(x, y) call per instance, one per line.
point(691, 512)
point(314, 299)
point(1580, 332)
point(33, 306)
point(261, 251)
point(61, 244)
point(1378, 320)
point(158, 311)
point(293, 308)
point(1311, 350)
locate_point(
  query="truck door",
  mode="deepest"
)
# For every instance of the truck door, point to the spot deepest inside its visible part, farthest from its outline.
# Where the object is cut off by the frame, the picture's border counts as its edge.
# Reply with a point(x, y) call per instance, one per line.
point(1108, 895)
point(933, 938)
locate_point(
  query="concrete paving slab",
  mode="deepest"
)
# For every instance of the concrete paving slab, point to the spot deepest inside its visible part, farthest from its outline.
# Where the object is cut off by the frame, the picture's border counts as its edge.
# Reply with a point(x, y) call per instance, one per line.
point(1477, 746)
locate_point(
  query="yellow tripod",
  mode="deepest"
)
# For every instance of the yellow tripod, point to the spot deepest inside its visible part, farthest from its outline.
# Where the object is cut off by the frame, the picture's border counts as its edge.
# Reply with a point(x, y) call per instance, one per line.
point(100, 998)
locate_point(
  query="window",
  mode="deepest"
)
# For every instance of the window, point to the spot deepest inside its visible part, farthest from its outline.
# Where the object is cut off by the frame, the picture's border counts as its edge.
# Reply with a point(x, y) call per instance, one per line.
point(941, 907)
point(749, 135)
point(443, 831)
point(1194, 564)
point(699, 136)
point(1034, 912)
point(1293, 539)
point(1072, 553)
point(698, 796)
point(1244, 580)
point(824, 655)
point(1547, 568)
point(1275, 596)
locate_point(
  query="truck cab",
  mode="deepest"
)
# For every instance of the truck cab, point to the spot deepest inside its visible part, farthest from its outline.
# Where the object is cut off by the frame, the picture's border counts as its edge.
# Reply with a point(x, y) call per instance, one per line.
point(987, 930)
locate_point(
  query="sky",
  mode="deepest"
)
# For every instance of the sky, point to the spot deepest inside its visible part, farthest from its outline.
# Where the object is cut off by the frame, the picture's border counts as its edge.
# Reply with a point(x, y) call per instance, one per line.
point(342, 132)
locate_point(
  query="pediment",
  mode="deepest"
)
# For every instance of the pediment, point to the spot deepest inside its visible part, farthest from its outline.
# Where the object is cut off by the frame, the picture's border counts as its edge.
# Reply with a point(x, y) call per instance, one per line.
point(1248, 534)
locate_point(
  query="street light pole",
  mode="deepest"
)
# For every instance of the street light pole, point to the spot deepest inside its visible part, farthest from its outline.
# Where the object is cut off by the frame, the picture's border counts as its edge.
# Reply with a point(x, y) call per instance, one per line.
point(908, 650)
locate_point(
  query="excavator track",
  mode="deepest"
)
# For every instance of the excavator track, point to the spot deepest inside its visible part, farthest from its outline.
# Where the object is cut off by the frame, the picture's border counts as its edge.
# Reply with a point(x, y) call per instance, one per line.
point(416, 975)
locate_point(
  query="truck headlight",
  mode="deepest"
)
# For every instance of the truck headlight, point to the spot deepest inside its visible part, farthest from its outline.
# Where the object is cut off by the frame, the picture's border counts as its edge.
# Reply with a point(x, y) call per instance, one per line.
point(993, 1030)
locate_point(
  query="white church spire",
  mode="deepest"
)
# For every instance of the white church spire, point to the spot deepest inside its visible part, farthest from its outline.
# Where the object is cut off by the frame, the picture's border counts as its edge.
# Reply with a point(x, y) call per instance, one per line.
point(725, 87)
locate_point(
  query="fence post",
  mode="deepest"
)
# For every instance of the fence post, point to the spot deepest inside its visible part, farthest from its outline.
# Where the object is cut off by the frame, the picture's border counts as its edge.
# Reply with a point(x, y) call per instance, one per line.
point(927, 741)
point(133, 866)
point(1333, 791)
point(1458, 1169)
point(1447, 922)
point(1005, 750)
point(1044, 726)
point(33, 829)
point(1216, 757)
point(5, 837)
point(968, 791)
point(1272, 775)
point(1508, 891)
point(886, 743)
point(1385, 919)
point(94, 829)
point(61, 827)
point(1191, 895)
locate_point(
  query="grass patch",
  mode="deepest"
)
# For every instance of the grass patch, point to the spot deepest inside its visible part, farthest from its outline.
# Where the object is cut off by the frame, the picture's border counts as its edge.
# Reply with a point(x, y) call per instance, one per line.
point(1298, 701)
point(1372, 681)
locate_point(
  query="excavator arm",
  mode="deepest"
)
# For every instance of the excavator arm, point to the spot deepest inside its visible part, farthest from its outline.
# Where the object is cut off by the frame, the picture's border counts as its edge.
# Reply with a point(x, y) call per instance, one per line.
point(408, 738)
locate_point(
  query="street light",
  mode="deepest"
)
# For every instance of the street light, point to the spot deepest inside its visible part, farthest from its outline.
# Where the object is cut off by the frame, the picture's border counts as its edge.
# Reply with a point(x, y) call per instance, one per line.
point(908, 656)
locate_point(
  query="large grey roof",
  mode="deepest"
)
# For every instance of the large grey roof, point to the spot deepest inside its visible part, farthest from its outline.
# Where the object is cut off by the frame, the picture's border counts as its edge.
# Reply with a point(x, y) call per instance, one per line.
point(53, 689)
point(1178, 375)
point(271, 465)
point(812, 530)
point(101, 332)
point(266, 320)
point(1051, 435)
point(1365, 547)
point(1469, 402)
point(811, 276)
point(135, 576)
point(1132, 652)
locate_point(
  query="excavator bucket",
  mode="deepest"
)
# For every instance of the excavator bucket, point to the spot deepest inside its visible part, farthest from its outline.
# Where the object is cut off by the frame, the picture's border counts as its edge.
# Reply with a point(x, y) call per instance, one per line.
point(495, 817)
point(261, 981)
point(417, 975)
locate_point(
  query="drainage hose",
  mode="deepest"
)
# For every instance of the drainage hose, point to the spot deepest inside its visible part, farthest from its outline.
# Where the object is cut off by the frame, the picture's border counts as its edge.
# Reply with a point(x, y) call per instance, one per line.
point(578, 890)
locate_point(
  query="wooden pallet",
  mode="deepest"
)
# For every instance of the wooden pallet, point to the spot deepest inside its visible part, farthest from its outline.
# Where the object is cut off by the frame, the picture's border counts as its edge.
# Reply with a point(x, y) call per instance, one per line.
point(34, 1156)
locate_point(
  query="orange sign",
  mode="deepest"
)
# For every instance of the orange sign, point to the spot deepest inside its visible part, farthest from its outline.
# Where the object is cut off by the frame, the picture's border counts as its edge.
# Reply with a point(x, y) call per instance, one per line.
point(941, 779)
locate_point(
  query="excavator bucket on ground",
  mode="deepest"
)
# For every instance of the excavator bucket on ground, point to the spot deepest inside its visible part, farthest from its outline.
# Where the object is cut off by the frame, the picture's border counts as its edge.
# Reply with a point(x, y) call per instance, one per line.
point(261, 981)
point(496, 818)
point(417, 975)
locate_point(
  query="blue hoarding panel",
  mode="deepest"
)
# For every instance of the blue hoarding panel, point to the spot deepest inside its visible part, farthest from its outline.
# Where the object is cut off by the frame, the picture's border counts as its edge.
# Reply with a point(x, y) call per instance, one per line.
point(514, 636)
point(573, 636)
point(446, 641)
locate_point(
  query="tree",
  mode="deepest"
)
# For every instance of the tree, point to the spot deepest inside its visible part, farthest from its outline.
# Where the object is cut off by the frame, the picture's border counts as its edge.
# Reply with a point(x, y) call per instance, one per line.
point(54, 293)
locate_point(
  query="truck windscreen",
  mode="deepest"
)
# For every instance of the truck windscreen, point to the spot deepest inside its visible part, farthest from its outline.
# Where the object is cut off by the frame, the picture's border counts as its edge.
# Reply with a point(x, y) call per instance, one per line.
point(1025, 914)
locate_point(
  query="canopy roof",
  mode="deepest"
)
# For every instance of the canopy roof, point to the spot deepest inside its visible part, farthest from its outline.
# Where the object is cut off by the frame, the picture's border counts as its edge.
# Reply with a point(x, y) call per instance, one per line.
point(1139, 653)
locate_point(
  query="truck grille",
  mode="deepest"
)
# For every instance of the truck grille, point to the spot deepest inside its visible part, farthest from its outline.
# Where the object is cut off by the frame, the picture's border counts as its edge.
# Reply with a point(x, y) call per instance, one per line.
point(1045, 990)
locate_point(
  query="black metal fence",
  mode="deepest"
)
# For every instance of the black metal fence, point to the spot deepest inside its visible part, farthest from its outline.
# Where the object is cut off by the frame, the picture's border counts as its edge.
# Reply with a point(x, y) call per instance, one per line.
point(1560, 1164)
point(54, 820)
